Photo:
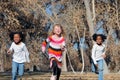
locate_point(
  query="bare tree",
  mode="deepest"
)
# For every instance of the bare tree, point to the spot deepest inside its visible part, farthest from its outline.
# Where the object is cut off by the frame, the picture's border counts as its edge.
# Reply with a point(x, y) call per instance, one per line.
point(89, 17)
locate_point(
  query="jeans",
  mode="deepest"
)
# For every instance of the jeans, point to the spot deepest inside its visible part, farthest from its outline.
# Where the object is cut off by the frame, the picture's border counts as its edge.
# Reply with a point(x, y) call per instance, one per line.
point(93, 67)
point(100, 69)
point(17, 69)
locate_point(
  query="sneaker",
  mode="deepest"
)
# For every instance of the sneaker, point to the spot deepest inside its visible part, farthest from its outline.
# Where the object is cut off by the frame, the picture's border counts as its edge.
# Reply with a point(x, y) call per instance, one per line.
point(96, 72)
point(20, 77)
point(53, 77)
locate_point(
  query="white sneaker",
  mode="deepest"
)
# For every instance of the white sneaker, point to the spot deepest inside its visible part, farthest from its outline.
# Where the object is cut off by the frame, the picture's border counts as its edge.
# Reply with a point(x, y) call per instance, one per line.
point(53, 77)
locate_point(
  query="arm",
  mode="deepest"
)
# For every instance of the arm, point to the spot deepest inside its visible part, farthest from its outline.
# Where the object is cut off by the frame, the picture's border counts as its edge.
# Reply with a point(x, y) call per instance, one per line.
point(26, 54)
point(10, 49)
point(104, 51)
point(63, 45)
point(93, 54)
point(44, 44)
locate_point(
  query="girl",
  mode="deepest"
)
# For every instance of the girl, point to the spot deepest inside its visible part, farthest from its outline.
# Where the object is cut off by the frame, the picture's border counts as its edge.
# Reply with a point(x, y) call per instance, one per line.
point(98, 53)
point(20, 54)
point(56, 46)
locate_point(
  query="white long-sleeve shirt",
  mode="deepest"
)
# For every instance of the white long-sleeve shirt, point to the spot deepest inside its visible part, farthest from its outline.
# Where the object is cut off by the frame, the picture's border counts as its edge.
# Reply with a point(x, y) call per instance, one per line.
point(97, 52)
point(20, 53)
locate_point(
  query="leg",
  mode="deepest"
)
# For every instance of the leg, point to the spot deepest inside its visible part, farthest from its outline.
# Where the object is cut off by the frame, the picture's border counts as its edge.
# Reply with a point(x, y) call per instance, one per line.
point(58, 73)
point(14, 70)
point(93, 67)
point(21, 69)
point(100, 69)
point(54, 66)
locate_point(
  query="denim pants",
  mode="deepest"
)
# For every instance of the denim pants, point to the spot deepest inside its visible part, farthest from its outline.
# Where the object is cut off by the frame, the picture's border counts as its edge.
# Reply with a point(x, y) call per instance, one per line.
point(100, 69)
point(93, 67)
point(17, 69)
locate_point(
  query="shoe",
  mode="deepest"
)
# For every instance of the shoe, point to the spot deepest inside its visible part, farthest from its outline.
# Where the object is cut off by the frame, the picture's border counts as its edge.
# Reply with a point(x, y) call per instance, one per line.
point(53, 77)
point(20, 77)
point(96, 72)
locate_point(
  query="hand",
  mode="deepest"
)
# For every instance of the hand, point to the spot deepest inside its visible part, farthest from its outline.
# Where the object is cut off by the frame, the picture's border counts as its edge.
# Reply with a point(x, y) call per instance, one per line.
point(9, 52)
point(43, 49)
point(62, 47)
point(96, 65)
point(104, 56)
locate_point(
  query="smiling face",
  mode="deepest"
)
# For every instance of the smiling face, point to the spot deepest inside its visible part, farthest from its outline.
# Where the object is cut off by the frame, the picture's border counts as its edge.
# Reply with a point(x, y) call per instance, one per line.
point(99, 40)
point(17, 38)
point(57, 30)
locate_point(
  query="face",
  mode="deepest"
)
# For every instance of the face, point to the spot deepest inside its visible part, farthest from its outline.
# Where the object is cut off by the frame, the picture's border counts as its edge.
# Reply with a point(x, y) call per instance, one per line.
point(17, 38)
point(99, 40)
point(57, 30)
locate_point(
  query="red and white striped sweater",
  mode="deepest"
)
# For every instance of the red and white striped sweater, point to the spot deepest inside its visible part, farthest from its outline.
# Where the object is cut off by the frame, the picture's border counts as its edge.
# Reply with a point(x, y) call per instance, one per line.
point(54, 50)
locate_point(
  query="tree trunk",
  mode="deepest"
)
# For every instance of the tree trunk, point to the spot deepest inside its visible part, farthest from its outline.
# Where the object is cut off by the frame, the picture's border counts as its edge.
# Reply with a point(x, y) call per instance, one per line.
point(1, 66)
point(1, 60)
point(64, 66)
point(89, 17)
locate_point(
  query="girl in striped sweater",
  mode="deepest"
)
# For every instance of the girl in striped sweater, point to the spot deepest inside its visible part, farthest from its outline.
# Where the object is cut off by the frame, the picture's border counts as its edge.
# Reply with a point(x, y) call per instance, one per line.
point(56, 47)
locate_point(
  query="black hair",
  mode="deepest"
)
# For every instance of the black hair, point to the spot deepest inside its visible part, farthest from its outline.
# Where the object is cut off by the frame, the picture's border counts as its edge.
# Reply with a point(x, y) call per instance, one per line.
point(96, 35)
point(20, 34)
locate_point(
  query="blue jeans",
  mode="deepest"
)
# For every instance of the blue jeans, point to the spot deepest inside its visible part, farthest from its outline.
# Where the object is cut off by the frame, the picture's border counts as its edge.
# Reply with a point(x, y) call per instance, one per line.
point(93, 67)
point(100, 69)
point(17, 69)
